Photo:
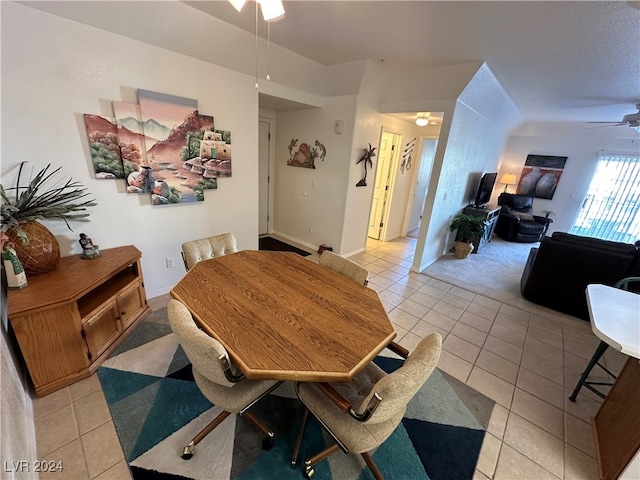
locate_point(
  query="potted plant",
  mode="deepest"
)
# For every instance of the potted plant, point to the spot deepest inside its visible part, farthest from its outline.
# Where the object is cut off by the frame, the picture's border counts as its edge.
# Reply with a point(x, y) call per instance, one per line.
point(468, 228)
point(36, 247)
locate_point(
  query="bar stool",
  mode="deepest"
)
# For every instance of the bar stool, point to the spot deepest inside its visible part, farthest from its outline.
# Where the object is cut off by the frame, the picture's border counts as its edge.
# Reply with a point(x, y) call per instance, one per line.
point(595, 359)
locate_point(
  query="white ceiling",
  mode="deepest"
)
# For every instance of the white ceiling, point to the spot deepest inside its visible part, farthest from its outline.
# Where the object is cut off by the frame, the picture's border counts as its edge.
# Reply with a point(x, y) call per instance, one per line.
point(567, 61)
point(559, 61)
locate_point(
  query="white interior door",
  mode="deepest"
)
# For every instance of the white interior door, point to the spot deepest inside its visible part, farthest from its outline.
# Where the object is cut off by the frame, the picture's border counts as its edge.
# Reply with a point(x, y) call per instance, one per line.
point(382, 184)
point(263, 177)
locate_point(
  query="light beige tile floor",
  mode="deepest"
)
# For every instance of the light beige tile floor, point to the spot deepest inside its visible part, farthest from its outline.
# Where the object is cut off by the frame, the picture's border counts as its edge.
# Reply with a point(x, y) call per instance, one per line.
point(525, 362)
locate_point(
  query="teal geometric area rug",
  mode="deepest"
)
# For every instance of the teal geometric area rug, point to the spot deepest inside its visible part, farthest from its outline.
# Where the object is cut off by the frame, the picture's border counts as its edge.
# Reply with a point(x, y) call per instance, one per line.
point(157, 408)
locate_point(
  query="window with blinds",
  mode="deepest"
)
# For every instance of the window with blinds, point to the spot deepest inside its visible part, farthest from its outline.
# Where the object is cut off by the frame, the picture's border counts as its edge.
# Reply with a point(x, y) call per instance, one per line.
point(611, 210)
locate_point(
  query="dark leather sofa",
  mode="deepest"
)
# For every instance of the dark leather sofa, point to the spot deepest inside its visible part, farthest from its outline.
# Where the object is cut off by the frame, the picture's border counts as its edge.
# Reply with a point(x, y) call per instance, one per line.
point(516, 222)
point(558, 271)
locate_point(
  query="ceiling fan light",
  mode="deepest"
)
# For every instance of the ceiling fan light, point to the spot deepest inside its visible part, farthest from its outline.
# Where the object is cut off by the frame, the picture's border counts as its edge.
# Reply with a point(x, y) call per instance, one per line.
point(237, 4)
point(422, 121)
point(272, 10)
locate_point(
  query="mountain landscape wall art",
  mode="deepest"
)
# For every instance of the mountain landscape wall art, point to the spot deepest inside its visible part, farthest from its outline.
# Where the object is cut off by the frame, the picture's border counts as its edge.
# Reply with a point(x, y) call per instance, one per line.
point(104, 147)
point(162, 146)
point(132, 147)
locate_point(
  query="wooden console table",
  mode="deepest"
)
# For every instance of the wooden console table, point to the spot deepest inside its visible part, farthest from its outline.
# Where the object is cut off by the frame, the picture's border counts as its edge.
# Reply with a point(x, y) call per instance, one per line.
point(69, 320)
point(490, 214)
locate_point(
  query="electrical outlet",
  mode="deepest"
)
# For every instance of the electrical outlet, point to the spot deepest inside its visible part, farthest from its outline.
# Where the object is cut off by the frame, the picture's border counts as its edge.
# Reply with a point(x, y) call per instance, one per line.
point(170, 261)
point(310, 229)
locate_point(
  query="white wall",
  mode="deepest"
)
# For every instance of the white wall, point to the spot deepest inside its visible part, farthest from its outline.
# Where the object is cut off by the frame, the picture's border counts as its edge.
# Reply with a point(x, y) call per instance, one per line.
point(471, 142)
point(581, 144)
point(369, 126)
point(48, 82)
point(313, 198)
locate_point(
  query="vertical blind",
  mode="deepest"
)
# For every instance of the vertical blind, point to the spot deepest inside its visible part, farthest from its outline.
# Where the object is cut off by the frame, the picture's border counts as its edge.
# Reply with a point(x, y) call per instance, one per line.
point(611, 210)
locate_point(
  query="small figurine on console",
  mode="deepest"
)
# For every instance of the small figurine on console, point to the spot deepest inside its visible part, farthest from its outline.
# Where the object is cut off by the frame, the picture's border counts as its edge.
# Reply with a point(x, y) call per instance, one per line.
point(89, 250)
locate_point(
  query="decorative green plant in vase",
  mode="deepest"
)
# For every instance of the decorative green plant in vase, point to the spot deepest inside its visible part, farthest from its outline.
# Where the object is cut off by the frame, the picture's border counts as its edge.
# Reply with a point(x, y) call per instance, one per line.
point(23, 206)
point(468, 228)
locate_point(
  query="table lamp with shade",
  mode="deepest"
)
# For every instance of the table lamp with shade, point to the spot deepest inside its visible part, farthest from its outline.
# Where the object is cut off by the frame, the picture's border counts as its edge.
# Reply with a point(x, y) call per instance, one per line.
point(508, 179)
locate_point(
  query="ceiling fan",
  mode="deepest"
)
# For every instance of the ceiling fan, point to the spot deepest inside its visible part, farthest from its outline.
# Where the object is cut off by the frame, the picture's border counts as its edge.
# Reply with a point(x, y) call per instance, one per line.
point(630, 120)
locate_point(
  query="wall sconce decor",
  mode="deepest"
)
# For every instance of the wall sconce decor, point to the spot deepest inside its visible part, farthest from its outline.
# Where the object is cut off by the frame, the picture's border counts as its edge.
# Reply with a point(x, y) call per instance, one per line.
point(508, 179)
point(406, 156)
point(366, 158)
point(306, 155)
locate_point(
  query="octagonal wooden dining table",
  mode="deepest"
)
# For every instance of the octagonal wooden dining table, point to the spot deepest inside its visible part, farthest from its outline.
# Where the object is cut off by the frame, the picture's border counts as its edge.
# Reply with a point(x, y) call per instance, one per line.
point(283, 317)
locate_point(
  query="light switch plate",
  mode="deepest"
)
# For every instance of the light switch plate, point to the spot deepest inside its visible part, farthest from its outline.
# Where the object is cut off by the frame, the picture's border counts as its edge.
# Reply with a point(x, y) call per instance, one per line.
point(339, 126)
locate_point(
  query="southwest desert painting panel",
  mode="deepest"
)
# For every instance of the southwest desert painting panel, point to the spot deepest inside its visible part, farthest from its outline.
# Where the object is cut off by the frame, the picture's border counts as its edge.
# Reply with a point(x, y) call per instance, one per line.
point(172, 128)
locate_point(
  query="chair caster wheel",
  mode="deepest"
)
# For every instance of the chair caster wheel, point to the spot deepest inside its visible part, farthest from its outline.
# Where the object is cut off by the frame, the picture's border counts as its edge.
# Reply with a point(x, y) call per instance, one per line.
point(188, 451)
point(308, 472)
point(267, 443)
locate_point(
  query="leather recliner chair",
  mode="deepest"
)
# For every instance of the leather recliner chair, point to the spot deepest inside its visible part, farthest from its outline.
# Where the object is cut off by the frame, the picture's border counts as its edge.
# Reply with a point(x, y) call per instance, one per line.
point(516, 223)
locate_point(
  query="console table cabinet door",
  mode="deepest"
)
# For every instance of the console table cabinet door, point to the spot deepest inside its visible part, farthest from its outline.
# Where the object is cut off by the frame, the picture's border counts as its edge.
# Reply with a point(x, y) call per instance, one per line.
point(130, 304)
point(101, 330)
point(51, 343)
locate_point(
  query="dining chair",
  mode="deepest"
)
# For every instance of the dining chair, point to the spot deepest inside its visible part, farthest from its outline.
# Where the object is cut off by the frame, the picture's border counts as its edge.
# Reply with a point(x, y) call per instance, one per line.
point(207, 248)
point(360, 415)
point(625, 283)
point(344, 266)
point(216, 377)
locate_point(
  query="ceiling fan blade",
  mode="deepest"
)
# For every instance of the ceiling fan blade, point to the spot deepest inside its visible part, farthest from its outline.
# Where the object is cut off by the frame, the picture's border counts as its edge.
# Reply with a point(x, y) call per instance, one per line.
point(605, 126)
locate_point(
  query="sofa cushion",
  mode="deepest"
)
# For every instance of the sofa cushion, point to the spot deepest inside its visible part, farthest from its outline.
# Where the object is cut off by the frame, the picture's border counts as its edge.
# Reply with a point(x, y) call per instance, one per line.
point(523, 216)
point(531, 228)
point(595, 243)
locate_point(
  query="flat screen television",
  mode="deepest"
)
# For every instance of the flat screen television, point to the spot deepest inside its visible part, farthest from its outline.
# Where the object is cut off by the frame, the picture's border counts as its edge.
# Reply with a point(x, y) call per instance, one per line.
point(485, 189)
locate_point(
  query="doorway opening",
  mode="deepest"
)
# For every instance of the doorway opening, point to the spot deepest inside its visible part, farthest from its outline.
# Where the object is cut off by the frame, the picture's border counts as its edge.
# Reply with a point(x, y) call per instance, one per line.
point(265, 191)
point(421, 186)
point(383, 186)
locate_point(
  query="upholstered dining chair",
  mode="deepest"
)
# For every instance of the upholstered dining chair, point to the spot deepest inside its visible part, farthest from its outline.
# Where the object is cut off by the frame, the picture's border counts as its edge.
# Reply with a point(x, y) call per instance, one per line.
point(628, 284)
point(360, 415)
point(206, 248)
point(216, 377)
point(344, 266)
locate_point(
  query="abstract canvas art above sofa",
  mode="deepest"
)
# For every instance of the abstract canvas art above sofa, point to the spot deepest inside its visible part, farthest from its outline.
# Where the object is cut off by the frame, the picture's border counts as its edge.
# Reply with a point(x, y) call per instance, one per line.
point(540, 176)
